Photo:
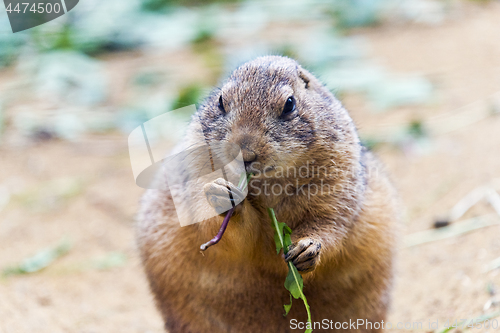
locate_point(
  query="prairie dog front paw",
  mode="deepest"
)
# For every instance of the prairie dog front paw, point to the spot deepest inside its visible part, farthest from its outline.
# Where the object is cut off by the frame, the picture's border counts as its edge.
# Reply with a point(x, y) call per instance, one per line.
point(304, 254)
point(223, 195)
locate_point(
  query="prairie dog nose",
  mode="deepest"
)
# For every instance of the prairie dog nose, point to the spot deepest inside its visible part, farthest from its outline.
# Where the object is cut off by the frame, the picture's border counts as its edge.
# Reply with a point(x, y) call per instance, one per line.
point(248, 155)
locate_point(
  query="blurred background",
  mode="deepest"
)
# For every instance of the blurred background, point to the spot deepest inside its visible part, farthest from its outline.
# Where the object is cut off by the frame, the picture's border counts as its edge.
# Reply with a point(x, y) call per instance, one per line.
point(421, 78)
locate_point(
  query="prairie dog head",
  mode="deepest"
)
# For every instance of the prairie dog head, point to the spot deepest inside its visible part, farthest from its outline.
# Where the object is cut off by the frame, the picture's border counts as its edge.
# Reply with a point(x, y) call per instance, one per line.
point(280, 116)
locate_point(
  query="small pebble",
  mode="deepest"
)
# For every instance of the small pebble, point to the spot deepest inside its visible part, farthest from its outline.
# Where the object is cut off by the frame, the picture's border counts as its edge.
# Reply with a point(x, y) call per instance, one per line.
point(441, 223)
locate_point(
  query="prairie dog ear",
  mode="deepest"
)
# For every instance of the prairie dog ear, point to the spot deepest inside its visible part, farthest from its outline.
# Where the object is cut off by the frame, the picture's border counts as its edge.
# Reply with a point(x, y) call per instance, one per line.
point(305, 76)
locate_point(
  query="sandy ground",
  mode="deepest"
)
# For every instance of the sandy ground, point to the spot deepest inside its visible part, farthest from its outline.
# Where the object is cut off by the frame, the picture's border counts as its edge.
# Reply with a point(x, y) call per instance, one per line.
point(94, 203)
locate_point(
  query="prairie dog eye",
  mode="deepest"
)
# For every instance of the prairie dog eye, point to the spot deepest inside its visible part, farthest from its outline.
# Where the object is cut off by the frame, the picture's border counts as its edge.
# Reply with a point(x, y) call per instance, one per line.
point(289, 107)
point(221, 104)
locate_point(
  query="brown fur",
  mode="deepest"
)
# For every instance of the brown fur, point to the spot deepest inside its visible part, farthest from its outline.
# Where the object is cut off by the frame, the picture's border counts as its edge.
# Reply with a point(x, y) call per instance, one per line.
point(237, 286)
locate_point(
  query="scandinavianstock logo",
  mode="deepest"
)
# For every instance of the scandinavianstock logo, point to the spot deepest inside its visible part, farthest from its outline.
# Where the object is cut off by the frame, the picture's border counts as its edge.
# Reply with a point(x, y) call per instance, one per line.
point(160, 147)
point(26, 14)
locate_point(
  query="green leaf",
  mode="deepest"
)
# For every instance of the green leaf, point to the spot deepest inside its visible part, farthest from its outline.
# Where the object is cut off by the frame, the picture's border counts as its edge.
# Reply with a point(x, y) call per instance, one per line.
point(293, 282)
point(288, 306)
point(278, 230)
point(277, 242)
point(40, 260)
point(288, 241)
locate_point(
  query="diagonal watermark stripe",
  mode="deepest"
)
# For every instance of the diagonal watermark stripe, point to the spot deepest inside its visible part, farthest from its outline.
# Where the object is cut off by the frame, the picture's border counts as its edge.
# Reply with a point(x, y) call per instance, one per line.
point(161, 155)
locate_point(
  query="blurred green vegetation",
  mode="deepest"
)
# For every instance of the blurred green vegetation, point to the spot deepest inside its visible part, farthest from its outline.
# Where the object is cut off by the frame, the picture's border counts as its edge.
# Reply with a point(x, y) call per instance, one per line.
point(416, 129)
point(355, 13)
point(155, 5)
point(40, 260)
point(188, 95)
point(62, 59)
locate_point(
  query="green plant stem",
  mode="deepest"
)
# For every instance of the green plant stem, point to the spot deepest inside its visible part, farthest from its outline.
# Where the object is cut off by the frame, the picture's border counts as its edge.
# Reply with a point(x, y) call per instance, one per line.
point(308, 310)
point(270, 211)
point(291, 266)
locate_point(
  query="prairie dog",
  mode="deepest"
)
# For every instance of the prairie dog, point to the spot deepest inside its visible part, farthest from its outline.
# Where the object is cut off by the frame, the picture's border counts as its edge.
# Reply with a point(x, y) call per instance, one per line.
point(341, 207)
